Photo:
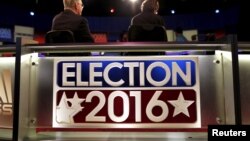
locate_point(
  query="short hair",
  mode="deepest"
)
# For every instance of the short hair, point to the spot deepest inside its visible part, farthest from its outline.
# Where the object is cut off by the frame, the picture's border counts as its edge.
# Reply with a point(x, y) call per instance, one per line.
point(150, 5)
point(69, 3)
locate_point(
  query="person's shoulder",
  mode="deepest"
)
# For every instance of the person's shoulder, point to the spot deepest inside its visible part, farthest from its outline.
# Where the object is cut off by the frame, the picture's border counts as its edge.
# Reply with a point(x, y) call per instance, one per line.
point(78, 17)
point(59, 14)
point(153, 15)
point(83, 19)
point(137, 15)
point(159, 16)
point(72, 14)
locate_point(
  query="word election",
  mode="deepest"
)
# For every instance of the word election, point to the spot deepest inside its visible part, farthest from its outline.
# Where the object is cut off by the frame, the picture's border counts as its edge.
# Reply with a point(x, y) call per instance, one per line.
point(126, 74)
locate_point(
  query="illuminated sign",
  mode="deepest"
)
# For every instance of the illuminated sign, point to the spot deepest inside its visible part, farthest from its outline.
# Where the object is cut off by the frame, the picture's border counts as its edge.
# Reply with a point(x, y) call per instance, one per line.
point(5, 93)
point(127, 93)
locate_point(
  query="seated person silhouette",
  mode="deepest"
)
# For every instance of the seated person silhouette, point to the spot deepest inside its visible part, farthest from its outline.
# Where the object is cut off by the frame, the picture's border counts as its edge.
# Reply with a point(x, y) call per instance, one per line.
point(70, 19)
point(147, 26)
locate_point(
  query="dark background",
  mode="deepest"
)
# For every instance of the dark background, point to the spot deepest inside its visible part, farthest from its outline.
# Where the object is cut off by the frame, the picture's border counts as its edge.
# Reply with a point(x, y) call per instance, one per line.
point(122, 7)
point(233, 18)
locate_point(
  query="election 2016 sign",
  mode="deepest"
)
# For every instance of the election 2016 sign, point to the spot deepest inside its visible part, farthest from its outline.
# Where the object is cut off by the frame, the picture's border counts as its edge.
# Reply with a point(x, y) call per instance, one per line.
point(126, 93)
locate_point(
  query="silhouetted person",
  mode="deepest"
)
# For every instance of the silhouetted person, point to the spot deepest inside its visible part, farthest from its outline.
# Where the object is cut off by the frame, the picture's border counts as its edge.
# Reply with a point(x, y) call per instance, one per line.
point(147, 26)
point(149, 14)
point(71, 19)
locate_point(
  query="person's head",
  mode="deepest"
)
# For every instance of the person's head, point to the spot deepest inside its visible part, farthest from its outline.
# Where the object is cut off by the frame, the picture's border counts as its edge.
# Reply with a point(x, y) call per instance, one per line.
point(150, 5)
point(75, 5)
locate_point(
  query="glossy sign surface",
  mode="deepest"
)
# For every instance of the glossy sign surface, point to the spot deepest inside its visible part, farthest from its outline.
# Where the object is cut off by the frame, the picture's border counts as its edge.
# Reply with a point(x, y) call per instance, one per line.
point(127, 93)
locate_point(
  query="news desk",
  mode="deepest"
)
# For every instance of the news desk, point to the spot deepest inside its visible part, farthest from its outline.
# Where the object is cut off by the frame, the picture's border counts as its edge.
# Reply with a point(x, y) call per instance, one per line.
point(167, 97)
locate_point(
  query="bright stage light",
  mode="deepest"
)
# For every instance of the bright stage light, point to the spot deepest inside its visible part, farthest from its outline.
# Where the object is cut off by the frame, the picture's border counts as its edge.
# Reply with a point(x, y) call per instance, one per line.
point(217, 11)
point(32, 13)
point(112, 10)
point(172, 11)
point(133, 1)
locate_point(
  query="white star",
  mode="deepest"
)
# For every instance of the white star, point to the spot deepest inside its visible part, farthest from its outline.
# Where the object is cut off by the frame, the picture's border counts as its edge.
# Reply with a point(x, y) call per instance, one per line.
point(181, 105)
point(63, 111)
point(76, 104)
point(76, 101)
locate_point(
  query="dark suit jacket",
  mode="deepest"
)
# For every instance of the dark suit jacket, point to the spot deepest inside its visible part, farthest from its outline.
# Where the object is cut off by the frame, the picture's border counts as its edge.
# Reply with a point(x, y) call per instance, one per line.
point(147, 17)
point(77, 24)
